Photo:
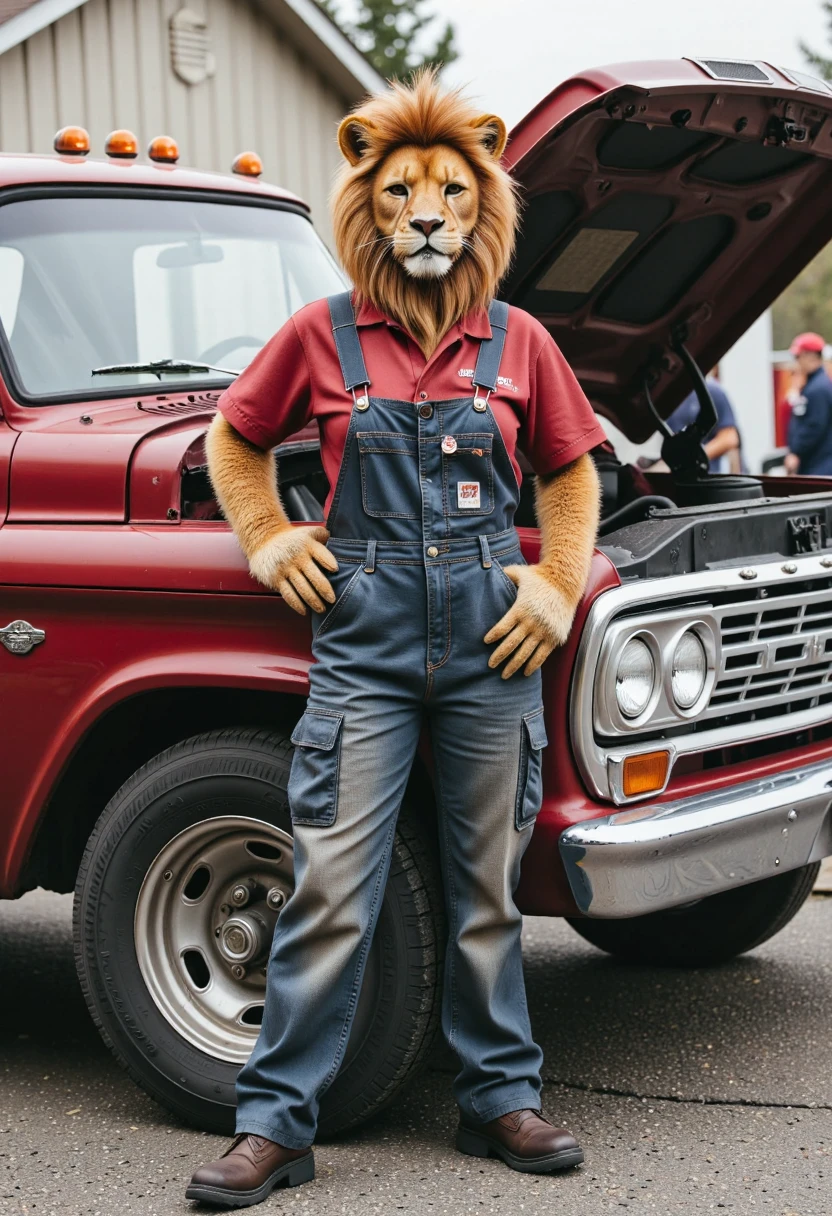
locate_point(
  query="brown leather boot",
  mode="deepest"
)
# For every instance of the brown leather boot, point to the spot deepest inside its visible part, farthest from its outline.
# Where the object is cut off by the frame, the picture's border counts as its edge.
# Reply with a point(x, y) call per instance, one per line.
point(525, 1139)
point(249, 1171)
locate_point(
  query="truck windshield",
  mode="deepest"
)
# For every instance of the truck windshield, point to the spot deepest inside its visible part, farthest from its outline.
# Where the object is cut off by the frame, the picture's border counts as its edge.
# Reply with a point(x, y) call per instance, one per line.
point(91, 282)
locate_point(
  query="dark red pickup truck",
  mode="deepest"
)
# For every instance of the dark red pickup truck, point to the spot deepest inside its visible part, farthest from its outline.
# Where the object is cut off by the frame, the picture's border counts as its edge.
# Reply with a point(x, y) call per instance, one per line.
point(149, 687)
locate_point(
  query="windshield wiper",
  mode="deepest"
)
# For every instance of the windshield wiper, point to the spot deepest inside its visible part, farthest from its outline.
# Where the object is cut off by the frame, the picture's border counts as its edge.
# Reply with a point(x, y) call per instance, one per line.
point(159, 368)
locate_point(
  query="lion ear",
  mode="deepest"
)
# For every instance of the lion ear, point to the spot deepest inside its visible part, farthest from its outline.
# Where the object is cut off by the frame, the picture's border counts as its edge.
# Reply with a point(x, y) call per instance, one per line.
point(352, 137)
point(494, 134)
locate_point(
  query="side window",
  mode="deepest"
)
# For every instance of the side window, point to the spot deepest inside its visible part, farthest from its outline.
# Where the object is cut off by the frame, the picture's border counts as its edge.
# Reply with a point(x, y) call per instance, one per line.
point(210, 300)
point(11, 281)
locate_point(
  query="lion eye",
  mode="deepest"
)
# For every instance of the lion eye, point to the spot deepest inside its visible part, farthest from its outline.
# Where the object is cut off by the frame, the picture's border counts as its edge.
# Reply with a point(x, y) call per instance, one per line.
point(454, 188)
point(399, 189)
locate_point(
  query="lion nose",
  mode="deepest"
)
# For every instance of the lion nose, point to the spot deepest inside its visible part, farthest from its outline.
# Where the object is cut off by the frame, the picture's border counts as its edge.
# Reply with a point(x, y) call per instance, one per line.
point(426, 225)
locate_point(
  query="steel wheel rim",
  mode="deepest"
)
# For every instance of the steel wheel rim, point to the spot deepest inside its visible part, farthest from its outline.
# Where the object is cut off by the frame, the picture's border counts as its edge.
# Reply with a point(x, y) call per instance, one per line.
point(174, 922)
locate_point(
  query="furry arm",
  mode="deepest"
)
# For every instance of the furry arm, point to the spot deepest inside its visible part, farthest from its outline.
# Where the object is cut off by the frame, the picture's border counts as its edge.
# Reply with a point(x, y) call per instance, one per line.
point(567, 505)
point(280, 555)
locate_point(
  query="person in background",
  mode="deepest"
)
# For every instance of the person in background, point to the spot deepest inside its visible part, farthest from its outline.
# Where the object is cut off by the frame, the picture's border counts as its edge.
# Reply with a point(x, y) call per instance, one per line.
point(810, 425)
point(723, 441)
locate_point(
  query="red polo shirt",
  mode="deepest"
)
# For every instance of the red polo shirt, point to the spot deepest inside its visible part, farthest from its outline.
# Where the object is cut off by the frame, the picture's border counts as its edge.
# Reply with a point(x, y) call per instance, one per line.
point(538, 404)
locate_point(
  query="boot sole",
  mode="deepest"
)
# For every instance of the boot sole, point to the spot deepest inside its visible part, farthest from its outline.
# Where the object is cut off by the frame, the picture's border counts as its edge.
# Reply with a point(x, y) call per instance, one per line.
point(477, 1145)
point(294, 1173)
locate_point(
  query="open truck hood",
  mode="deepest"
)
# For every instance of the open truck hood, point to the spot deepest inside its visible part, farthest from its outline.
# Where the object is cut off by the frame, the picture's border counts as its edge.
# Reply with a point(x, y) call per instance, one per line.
point(664, 202)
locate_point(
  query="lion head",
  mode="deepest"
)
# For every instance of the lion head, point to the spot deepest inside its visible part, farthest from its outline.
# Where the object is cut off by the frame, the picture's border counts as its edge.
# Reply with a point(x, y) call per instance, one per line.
point(424, 215)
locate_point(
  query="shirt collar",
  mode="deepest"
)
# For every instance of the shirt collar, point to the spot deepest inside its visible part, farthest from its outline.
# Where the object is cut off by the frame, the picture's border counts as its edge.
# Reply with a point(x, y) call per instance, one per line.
point(475, 324)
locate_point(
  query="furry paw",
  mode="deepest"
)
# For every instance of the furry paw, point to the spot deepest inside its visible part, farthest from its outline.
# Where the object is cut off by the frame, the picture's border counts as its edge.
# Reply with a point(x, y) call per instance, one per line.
point(289, 562)
point(539, 620)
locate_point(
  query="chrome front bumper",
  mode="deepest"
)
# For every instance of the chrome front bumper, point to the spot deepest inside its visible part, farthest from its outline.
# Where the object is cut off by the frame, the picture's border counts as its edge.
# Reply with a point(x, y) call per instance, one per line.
point(653, 857)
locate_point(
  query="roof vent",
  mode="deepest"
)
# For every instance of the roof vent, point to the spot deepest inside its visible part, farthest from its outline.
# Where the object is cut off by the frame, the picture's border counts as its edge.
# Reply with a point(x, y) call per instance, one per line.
point(734, 69)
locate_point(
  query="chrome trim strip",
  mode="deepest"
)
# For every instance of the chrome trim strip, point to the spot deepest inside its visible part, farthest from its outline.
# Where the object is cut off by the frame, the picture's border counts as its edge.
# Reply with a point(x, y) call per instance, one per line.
point(595, 761)
point(655, 857)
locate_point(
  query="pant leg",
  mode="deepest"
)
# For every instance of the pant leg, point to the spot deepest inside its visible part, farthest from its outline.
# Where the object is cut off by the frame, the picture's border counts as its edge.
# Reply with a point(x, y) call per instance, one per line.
point(324, 932)
point(486, 734)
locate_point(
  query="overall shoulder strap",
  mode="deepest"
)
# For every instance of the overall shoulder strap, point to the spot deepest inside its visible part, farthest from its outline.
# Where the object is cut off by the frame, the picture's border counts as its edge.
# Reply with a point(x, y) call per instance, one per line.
point(347, 344)
point(491, 349)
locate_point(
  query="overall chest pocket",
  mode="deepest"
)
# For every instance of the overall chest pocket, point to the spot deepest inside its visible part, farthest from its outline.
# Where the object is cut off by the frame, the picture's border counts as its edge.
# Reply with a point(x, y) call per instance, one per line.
point(389, 474)
point(468, 475)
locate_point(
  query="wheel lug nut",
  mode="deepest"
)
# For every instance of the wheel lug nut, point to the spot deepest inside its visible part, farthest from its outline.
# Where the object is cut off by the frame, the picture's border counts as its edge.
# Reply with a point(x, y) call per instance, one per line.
point(238, 972)
point(239, 895)
point(275, 898)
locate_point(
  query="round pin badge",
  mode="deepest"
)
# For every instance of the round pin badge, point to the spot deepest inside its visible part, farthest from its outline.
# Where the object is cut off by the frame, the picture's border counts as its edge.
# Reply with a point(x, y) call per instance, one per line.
point(448, 445)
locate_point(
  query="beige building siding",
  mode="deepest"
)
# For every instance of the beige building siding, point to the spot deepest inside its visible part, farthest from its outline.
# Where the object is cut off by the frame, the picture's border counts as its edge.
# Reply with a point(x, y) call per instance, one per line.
point(107, 65)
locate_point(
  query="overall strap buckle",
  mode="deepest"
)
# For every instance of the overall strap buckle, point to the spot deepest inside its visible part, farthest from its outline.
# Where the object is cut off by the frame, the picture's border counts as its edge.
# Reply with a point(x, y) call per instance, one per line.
point(487, 371)
point(363, 402)
point(347, 344)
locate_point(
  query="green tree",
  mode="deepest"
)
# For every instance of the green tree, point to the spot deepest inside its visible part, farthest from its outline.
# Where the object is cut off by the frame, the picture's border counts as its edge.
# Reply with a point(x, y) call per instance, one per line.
point(806, 304)
point(821, 63)
point(391, 33)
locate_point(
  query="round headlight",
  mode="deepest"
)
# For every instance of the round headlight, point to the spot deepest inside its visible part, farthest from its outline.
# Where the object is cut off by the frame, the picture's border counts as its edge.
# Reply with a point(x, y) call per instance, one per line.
point(689, 670)
point(635, 678)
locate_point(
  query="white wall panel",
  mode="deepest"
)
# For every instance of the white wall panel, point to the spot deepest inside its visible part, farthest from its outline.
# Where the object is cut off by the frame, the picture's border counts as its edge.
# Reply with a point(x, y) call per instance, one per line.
point(14, 102)
point(41, 92)
point(69, 71)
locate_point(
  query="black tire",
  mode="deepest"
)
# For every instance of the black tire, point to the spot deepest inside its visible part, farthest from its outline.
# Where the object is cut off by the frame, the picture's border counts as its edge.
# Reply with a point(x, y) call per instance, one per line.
point(245, 772)
point(710, 931)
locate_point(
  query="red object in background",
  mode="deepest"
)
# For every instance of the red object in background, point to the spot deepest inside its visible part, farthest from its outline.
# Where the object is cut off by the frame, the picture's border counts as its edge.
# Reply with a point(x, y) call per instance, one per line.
point(783, 383)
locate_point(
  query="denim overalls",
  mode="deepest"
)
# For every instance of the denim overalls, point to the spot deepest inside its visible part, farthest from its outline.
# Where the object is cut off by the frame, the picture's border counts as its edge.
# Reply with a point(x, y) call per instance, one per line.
point(421, 523)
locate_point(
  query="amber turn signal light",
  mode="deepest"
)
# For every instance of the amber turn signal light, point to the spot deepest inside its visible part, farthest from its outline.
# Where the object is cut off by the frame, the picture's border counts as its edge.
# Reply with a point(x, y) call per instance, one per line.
point(72, 141)
point(122, 144)
point(248, 164)
point(164, 150)
point(645, 774)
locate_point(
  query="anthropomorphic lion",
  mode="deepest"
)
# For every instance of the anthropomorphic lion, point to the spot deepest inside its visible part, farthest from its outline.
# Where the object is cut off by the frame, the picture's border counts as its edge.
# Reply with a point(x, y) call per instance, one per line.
point(424, 386)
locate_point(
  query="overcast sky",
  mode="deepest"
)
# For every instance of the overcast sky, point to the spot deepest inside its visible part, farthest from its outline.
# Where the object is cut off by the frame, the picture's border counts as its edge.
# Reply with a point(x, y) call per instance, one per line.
point(513, 52)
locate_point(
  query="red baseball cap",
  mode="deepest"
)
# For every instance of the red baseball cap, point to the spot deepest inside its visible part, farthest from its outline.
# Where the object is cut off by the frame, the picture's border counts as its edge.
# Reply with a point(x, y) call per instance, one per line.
point(808, 341)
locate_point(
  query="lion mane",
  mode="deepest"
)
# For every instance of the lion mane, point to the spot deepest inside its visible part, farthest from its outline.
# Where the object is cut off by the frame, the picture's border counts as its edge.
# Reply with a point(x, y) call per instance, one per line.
point(421, 113)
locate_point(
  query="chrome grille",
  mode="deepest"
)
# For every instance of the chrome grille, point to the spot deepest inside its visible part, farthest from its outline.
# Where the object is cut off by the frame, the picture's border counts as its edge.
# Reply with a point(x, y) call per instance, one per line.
point(776, 653)
point(771, 663)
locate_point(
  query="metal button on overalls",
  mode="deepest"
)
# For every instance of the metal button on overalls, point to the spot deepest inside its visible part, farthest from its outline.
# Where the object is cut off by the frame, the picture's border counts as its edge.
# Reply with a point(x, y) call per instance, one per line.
point(422, 525)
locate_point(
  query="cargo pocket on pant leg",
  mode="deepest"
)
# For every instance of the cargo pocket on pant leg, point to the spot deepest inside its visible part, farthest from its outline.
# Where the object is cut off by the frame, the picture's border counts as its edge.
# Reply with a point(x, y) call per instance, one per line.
point(530, 776)
point(313, 780)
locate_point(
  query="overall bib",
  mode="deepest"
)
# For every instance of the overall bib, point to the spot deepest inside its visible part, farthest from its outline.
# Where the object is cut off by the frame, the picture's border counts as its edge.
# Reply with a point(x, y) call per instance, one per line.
point(421, 524)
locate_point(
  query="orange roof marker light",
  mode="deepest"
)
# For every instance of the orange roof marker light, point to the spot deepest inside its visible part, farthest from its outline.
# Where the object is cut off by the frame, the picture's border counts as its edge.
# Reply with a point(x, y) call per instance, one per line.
point(163, 150)
point(122, 145)
point(248, 164)
point(72, 141)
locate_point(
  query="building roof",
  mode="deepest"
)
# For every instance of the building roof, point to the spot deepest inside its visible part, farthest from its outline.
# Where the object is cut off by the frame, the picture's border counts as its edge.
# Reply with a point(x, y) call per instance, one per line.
point(304, 21)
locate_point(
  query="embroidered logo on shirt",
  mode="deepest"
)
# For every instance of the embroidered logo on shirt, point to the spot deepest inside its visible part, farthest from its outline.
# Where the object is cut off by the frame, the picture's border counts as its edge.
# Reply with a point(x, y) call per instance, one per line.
point(505, 382)
point(468, 494)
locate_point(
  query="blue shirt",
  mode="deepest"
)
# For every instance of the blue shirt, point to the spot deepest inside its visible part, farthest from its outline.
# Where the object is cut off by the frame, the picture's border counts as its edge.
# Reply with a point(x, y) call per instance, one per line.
point(810, 426)
point(687, 413)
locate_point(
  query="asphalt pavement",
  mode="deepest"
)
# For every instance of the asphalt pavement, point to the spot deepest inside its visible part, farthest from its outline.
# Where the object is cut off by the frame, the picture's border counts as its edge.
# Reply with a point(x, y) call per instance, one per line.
point(690, 1092)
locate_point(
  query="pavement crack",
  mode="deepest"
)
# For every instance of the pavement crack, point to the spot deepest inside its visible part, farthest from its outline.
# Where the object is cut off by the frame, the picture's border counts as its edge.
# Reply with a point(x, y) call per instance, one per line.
point(610, 1091)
